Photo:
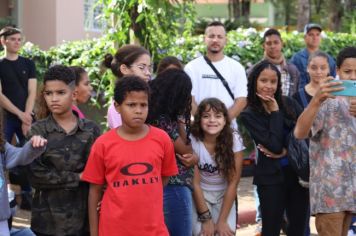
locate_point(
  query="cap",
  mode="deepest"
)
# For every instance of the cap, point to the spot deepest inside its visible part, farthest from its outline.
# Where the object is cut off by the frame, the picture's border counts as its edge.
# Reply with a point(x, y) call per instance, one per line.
point(310, 26)
point(8, 30)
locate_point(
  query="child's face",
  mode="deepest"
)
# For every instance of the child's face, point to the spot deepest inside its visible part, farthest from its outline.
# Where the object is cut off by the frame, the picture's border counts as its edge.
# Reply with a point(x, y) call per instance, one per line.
point(134, 109)
point(59, 97)
point(141, 67)
point(347, 70)
point(83, 90)
point(318, 69)
point(212, 122)
point(267, 83)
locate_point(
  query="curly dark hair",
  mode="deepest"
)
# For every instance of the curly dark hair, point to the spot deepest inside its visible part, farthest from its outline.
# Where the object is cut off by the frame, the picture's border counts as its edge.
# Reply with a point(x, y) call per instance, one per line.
point(347, 52)
point(78, 71)
point(2, 139)
point(169, 62)
point(57, 72)
point(171, 96)
point(129, 84)
point(224, 155)
point(254, 101)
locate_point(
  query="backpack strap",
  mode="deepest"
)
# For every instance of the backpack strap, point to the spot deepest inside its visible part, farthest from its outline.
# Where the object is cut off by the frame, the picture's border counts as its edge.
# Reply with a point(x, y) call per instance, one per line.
point(223, 81)
point(303, 97)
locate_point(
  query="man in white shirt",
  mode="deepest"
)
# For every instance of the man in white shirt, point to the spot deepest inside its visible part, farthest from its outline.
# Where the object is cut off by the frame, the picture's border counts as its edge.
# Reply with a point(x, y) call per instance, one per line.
point(205, 81)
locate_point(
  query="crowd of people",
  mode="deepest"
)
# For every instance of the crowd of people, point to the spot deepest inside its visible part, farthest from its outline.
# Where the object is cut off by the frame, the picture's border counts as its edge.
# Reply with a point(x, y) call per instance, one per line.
point(172, 159)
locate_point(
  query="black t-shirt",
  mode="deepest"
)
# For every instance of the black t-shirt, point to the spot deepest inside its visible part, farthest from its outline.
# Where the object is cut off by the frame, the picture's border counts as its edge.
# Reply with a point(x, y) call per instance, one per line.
point(14, 76)
point(298, 98)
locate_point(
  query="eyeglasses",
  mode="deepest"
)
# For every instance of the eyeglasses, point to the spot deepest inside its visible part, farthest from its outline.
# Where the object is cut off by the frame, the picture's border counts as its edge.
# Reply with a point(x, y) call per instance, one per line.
point(144, 68)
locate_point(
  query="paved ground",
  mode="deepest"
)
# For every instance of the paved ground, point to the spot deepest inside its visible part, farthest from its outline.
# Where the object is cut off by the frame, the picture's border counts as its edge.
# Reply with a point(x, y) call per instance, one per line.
point(246, 211)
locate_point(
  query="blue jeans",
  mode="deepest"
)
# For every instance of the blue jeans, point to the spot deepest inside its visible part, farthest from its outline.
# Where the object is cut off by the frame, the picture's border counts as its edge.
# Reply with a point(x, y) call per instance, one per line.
point(177, 203)
point(21, 232)
point(13, 127)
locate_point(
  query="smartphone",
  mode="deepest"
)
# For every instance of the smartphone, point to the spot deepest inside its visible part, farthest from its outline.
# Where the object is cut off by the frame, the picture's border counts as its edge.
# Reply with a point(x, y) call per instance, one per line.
point(349, 88)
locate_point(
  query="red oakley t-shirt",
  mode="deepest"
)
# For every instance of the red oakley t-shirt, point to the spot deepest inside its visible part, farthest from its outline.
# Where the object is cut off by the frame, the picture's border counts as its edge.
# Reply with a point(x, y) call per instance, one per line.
point(133, 201)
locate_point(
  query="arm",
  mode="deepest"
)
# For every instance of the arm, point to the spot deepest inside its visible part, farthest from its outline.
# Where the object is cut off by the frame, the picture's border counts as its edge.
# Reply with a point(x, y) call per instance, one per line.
point(165, 180)
point(7, 104)
point(235, 110)
point(194, 106)
point(22, 156)
point(95, 194)
point(43, 174)
point(230, 196)
point(306, 119)
point(30, 102)
point(207, 227)
point(269, 135)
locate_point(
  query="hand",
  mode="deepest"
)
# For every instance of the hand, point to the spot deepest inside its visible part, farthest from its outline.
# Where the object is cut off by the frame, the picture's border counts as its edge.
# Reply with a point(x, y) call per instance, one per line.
point(25, 117)
point(38, 141)
point(352, 108)
point(98, 208)
point(223, 229)
point(189, 159)
point(25, 128)
point(270, 102)
point(270, 154)
point(325, 90)
point(207, 228)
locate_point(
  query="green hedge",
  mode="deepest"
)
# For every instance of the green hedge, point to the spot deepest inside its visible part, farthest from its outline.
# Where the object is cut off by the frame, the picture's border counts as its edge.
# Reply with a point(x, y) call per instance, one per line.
point(243, 45)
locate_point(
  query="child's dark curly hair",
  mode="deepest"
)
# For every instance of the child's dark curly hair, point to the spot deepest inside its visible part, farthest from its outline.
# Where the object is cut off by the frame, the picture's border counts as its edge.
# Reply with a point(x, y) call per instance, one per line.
point(57, 72)
point(347, 52)
point(224, 155)
point(61, 73)
point(129, 84)
point(171, 96)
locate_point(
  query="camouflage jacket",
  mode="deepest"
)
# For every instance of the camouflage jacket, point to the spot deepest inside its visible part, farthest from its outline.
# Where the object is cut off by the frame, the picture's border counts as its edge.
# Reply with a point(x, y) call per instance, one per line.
point(60, 201)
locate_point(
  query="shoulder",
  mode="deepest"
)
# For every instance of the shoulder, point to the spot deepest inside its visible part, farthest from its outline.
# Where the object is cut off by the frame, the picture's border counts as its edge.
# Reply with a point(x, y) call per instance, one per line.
point(197, 61)
point(157, 132)
point(90, 126)
point(25, 60)
point(233, 62)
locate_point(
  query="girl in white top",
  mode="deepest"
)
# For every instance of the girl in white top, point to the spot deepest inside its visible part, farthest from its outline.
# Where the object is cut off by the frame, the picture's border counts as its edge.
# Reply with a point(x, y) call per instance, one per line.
point(218, 172)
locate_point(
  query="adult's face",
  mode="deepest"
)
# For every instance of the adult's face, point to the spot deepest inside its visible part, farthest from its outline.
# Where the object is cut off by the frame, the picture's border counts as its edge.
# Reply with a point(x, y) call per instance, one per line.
point(312, 39)
point(273, 46)
point(215, 39)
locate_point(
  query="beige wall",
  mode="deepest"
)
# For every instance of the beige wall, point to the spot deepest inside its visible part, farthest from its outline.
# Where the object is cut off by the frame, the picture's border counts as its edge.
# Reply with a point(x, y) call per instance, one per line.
point(50, 22)
point(39, 22)
point(4, 8)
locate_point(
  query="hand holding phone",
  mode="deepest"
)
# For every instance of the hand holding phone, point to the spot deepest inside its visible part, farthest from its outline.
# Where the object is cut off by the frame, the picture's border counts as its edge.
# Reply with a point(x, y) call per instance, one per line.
point(349, 88)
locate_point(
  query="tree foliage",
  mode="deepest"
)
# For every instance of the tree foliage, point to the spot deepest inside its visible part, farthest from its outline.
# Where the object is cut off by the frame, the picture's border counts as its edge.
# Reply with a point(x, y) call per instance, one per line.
point(151, 23)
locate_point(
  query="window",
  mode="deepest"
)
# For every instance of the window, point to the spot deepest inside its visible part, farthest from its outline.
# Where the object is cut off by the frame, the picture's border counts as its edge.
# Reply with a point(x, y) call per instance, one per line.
point(92, 12)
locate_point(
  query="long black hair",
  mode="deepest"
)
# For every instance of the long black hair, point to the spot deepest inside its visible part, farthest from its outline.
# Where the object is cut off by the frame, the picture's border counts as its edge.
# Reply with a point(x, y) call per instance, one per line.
point(171, 96)
point(254, 101)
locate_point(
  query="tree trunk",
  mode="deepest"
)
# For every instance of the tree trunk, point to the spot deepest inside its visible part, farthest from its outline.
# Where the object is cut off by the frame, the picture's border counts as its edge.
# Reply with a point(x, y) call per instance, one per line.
point(234, 9)
point(336, 13)
point(303, 14)
point(246, 11)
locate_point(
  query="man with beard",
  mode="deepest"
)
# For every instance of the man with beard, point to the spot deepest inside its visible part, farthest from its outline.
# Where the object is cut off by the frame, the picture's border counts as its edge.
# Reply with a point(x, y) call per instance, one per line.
point(207, 82)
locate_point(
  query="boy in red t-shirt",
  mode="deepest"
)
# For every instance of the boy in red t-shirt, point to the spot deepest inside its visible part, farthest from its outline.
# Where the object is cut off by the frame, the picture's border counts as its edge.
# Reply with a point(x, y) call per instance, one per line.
point(134, 161)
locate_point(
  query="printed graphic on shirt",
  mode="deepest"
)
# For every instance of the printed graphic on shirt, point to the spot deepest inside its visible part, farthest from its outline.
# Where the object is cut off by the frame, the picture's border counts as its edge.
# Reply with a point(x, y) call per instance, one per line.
point(206, 76)
point(136, 174)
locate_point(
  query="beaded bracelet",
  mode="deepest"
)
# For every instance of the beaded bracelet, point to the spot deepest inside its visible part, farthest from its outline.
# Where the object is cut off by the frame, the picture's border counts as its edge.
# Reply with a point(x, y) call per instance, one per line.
point(204, 216)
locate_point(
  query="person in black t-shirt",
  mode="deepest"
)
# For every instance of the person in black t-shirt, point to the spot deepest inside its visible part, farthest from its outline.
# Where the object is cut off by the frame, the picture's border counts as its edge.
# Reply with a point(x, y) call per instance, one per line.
point(17, 95)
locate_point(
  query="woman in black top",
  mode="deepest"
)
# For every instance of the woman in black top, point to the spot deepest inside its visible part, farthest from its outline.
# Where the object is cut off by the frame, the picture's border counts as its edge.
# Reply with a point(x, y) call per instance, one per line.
point(270, 117)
